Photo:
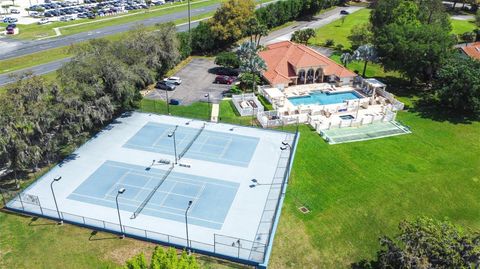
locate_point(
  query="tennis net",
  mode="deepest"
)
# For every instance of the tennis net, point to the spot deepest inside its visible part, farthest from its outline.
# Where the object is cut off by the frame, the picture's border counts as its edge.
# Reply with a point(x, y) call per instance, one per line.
point(184, 151)
point(150, 195)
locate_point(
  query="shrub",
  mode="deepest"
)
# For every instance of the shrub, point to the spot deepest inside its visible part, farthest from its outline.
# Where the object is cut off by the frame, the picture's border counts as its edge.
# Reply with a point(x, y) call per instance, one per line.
point(339, 47)
point(227, 59)
point(329, 43)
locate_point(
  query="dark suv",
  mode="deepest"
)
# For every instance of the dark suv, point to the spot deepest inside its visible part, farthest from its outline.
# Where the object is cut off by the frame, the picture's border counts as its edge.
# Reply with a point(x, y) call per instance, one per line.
point(224, 80)
point(163, 85)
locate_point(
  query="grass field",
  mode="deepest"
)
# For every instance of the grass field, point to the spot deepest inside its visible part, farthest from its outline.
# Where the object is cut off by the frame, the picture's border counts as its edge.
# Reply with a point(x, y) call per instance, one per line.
point(357, 192)
point(338, 31)
point(459, 27)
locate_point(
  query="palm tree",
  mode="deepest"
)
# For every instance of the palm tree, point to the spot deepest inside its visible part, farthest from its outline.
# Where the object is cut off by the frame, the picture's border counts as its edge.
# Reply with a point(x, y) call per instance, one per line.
point(256, 30)
point(346, 58)
point(366, 53)
point(250, 61)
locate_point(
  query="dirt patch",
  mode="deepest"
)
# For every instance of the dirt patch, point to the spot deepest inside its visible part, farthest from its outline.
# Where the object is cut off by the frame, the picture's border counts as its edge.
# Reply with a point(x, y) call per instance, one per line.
point(126, 251)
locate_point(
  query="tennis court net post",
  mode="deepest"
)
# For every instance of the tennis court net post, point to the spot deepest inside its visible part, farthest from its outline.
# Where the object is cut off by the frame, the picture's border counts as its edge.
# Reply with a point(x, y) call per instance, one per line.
point(150, 195)
point(184, 151)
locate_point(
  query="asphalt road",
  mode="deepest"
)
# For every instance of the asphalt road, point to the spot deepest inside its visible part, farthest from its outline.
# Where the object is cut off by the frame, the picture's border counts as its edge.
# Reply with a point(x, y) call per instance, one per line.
point(14, 48)
point(53, 66)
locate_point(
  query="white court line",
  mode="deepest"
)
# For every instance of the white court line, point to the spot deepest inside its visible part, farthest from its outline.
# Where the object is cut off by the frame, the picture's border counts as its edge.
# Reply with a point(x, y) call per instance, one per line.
point(151, 209)
point(115, 183)
point(159, 137)
point(197, 197)
point(226, 148)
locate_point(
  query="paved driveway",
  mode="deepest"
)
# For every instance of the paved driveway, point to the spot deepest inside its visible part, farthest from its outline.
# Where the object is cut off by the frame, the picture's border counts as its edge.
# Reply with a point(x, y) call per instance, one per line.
point(196, 82)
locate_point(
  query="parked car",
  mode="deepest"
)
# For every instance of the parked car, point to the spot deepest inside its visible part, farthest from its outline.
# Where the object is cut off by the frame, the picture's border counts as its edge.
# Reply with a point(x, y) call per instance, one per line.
point(164, 85)
point(174, 102)
point(344, 12)
point(14, 11)
point(43, 21)
point(10, 20)
point(224, 80)
point(173, 80)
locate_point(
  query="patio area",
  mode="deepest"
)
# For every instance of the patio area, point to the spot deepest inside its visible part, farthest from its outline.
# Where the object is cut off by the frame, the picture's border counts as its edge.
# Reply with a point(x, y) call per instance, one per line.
point(325, 105)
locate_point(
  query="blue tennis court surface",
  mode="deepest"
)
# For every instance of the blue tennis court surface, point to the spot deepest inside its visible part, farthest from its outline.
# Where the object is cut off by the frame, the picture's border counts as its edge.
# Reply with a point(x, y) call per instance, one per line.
point(211, 198)
point(211, 146)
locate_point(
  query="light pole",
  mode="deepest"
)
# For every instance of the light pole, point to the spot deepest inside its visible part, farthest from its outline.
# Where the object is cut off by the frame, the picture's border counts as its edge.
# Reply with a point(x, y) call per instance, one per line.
point(186, 224)
point(60, 222)
point(172, 134)
point(207, 95)
point(238, 245)
point(253, 115)
point(189, 17)
point(120, 191)
point(256, 183)
point(168, 103)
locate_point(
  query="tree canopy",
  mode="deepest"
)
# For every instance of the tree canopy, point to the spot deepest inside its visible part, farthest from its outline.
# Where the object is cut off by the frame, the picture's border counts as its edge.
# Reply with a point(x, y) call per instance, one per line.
point(458, 84)
point(302, 36)
point(427, 243)
point(412, 37)
point(229, 23)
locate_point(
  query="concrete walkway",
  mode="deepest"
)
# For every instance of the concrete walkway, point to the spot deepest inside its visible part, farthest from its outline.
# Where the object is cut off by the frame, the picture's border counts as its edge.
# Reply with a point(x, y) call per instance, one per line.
point(215, 111)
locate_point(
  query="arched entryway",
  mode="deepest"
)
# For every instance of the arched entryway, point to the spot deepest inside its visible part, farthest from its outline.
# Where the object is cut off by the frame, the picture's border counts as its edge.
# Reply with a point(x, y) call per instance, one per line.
point(301, 76)
point(310, 75)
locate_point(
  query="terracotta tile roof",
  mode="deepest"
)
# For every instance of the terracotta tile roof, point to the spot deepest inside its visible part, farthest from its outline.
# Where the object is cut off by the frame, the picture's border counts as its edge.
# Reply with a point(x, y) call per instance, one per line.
point(472, 50)
point(283, 57)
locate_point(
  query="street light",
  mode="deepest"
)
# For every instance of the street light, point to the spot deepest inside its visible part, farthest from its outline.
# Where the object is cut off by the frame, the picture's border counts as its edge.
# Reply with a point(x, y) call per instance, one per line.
point(256, 183)
point(189, 17)
point(207, 95)
point(168, 103)
point(120, 191)
point(172, 134)
point(186, 224)
point(253, 115)
point(238, 245)
point(60, 222)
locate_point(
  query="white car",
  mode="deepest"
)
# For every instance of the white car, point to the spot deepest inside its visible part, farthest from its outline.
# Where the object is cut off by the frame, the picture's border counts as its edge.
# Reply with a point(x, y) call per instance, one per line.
point(173, 80)
point(43, 21)
point(14, 11)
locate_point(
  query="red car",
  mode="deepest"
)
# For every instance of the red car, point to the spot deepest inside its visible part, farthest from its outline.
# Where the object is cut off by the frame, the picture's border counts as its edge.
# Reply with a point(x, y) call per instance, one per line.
point(224, 80)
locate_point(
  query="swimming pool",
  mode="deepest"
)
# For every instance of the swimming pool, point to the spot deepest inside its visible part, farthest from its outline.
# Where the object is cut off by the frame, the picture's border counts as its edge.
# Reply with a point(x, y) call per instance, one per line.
point(321, 98)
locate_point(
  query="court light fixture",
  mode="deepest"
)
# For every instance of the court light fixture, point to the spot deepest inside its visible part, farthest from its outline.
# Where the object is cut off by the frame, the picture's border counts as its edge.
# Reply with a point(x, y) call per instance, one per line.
point(120, 191)
point(60, 220)
point(256, 183)
point(285, 146)
point(172, 134)
point(186, 224)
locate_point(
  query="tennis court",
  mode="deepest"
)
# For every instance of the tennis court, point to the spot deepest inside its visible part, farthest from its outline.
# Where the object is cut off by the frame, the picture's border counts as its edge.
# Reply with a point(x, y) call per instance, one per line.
point(364, 132)
point(168, 202)
point(132, 161)
point(208, 146)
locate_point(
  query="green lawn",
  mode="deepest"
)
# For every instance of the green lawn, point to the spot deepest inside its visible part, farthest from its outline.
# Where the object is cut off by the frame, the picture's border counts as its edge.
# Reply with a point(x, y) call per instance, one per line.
point(459, 27)
point(357, 192)
point(373, 69)
point(338, 31)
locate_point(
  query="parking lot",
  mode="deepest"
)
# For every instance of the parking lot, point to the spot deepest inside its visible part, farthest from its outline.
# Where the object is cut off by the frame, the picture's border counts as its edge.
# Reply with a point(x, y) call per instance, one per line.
point(196, 82)
point(45, 11)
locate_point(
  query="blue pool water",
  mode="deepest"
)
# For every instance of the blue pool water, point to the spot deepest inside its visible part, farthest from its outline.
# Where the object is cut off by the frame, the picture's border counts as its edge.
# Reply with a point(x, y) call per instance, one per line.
point(321, 98)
